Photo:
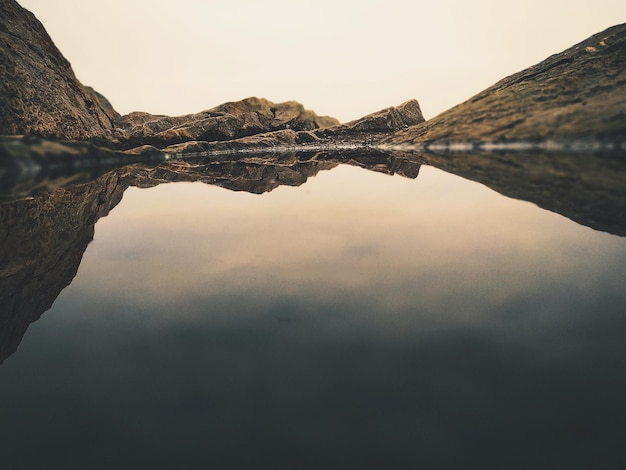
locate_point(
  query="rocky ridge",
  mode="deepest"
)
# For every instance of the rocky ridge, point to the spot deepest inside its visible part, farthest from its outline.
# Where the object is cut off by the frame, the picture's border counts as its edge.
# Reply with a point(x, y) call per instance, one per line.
point(225, 122)
point(578, 93)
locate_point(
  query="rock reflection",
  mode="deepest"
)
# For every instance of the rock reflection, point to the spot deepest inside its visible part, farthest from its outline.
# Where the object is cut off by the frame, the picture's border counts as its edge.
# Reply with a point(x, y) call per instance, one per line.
point(43, 241)
point(586, 188)
point(45, 235)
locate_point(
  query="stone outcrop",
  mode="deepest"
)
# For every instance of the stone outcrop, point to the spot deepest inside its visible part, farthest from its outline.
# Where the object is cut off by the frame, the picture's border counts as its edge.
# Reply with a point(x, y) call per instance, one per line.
point(578, 93)
point(41, 96)
point(389, 119)
point(225, 122)
point(39, 93)
point(256, 123)
point(358, 134)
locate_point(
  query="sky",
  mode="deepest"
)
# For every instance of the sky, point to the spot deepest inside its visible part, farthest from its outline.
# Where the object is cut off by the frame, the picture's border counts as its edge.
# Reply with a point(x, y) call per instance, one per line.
point(340, 58)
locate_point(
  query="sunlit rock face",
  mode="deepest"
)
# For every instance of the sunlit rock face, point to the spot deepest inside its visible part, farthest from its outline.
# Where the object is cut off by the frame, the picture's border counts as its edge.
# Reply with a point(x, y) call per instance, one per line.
point(39, 93)
point(578, 93)
point(225, 122)
point(393, 118)
point(358, 134)
point(41, 96)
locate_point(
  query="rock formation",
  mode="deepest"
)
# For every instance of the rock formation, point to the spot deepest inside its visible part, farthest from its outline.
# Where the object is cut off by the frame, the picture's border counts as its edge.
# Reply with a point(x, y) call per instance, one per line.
point(225, 122)
point(361, 133)
point(578, 93)
point(39, 93)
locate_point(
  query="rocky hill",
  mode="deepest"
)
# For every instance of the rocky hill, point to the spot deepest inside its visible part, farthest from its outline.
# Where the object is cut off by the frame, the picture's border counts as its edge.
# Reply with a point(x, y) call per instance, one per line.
point(579, 93)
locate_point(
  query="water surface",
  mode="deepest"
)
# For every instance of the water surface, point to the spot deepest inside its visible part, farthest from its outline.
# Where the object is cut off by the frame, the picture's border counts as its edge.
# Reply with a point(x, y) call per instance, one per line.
point(358, 320)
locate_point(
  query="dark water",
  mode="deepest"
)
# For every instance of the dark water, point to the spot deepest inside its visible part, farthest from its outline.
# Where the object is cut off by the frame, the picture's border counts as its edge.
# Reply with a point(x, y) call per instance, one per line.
point(359, 320)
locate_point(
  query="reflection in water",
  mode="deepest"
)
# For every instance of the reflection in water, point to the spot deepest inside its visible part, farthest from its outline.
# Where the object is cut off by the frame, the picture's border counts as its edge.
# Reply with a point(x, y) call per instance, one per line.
point(587, 188)
point(359, 320)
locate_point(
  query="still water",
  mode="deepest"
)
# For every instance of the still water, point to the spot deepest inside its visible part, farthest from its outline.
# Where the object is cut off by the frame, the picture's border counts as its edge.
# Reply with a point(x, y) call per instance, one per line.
point(359, 320)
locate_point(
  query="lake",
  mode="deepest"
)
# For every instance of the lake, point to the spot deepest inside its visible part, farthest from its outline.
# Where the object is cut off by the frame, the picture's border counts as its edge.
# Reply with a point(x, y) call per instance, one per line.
point(348, 318)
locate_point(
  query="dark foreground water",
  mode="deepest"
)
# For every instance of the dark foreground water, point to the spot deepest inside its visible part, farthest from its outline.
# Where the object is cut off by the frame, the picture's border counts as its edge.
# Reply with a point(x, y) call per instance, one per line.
point(360, 320)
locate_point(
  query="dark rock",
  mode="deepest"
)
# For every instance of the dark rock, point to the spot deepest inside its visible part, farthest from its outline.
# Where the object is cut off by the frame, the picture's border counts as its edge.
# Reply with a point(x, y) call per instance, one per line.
point(39, 93)
point(43, 241)
point(30, 165)
point(586, 188)
point(577, 94)
point(256, 174)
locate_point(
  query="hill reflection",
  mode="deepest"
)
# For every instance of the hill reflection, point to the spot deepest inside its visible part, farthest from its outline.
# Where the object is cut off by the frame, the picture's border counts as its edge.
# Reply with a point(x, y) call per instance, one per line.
point(45, 234)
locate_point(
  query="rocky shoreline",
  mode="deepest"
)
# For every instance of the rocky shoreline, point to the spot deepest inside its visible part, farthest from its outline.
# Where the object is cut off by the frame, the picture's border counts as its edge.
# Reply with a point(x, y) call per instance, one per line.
point(577, 94)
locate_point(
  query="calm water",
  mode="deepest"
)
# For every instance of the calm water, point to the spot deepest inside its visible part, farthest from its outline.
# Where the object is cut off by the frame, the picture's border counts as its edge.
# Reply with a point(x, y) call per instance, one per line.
point(360, 320)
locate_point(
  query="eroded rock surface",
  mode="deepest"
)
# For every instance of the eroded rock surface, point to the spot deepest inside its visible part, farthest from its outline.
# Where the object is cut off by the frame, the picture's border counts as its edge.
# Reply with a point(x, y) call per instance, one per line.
point(389, 119)
point(225, 122)
point(579, 93)
point(360, 133)
point(39, 93)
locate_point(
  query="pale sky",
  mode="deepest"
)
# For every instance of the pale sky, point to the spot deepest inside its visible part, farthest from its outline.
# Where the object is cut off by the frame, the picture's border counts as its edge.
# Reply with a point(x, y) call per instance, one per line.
point(339, 58)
